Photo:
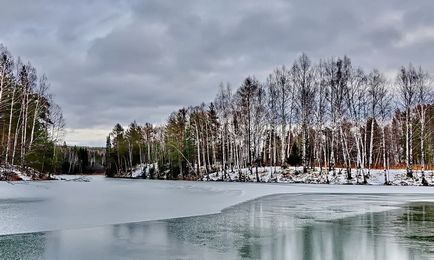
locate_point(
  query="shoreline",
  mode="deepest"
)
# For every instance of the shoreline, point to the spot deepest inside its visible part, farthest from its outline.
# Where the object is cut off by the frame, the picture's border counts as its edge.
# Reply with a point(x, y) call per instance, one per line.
point(395, 177)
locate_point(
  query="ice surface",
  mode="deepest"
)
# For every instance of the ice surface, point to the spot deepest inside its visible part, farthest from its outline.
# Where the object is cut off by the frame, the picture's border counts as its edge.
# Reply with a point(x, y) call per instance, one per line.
point(56, 205)
point(285, 226)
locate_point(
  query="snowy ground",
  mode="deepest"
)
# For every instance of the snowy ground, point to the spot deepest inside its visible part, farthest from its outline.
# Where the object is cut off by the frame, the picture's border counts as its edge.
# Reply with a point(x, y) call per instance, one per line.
point(295, 175)
point(54, 205)
point(140, 170)
point(18, 173)
point(13, 173)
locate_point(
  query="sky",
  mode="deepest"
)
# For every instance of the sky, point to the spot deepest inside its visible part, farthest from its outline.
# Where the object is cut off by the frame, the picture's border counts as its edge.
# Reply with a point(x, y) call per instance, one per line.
point(123, 60)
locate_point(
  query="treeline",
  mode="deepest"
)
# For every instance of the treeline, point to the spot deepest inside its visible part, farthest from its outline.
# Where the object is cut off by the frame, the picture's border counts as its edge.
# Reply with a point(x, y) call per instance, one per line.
point(142, 145)
point(30, 122)
point(81, 160)
point(328, 115)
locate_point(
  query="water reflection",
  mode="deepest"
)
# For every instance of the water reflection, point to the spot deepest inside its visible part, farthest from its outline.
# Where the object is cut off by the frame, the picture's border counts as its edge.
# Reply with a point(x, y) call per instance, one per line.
point(24, 246)
point(277, 227)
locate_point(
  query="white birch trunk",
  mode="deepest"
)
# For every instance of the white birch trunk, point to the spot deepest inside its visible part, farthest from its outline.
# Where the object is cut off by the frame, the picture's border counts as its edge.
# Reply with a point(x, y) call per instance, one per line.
point(224, 151)
point(422, 140)
point(198, 149)
point(34, 123)
point(10, 124)
point(371, 146)
point(15, 139)
point(384, 156)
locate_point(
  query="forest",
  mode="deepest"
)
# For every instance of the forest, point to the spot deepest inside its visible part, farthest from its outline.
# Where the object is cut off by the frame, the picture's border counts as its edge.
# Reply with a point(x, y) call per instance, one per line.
point(325, 115)
point(31, 123)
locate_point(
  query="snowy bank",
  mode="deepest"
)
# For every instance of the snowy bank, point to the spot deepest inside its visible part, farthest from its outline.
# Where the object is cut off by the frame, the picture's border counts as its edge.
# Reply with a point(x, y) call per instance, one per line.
point(141, 171)
point(339, 176)
point(17, 173)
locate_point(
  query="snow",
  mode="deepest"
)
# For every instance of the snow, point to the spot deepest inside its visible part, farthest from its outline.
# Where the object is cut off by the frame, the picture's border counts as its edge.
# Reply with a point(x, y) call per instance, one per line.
point(23, 176)
point(15, 173)
point(139, 170)
point(55, 205)
point(295, 175)
point(8, 170)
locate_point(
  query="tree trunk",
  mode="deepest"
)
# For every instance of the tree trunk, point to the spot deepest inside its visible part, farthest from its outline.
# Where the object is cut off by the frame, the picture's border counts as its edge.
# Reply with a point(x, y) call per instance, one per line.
point(208, 161)
point(213, 150)
point(345, 152)
point(34, 123)
point(324, 147)
point(198, 149)
point(130, 155)
point(422, 140)
point(224, 152)
point(288, 144)
point(332, 152)
point(140, 154)
point(407, 144)
point(148, 148)
point(364, 146)
point(275, 150)
point(2, 81)
point(270, 151)
point(119, 158)
point(15, 140)
point(237, 155)
point(359, 159)
point(304, 148)
point(204, 154)
point(371, 146)
point(282, 143)
point(25, 118)
point(386, 181)
point(10, 124)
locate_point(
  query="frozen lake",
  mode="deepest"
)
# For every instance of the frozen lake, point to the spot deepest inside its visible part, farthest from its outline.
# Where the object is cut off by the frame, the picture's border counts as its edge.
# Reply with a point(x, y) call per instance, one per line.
point(131, 219)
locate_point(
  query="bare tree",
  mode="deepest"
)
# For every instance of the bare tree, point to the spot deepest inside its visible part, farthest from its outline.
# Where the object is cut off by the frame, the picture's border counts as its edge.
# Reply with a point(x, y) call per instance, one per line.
point(285, 107)
point(223, 104)
point(384, 99)
point(303, 76)
point(39, 101)
point(376, 92)
point(273, 117)
point(259, 114)
point(245, 97)
point(357, 103)
point(6, 80)
point(407, 83)
point(424, 96)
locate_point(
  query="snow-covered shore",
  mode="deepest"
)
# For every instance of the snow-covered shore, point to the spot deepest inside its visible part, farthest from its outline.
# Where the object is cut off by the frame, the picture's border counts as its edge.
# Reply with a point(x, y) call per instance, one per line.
point(17, 173)
point(339, 176)
point(53, 205)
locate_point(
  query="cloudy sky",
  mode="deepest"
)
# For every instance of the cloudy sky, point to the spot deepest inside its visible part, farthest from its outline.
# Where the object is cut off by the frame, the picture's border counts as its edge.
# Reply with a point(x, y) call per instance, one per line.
point(119, 60)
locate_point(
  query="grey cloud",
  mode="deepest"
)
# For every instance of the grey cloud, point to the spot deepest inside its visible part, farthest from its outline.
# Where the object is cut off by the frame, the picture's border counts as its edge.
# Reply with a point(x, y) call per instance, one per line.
point(116, 61)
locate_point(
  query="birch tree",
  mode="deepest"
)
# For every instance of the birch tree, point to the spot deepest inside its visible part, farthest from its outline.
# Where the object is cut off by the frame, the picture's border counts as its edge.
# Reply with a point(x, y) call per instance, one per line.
point(303, 76)
point(407, 87)
point(245, 99)
point(424, 96)
point(376, 94)
point(272, 90)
